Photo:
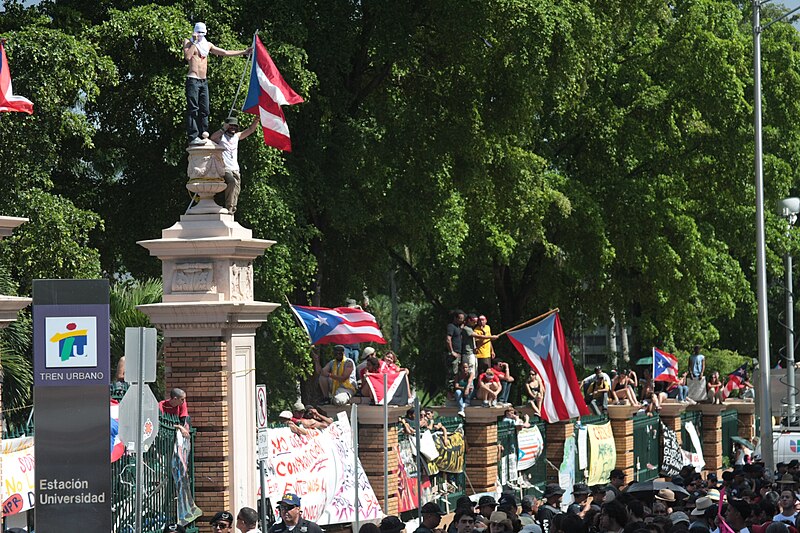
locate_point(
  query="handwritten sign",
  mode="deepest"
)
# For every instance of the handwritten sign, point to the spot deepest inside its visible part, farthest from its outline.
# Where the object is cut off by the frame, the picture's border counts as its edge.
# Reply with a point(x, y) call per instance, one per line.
point(17, 492)
point(319, 468)
point(603, 453)
point(671, 457)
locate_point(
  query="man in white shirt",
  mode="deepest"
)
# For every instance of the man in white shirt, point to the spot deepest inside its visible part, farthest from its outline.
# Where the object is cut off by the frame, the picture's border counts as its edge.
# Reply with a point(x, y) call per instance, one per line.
point(247, 520)
point(228, 137)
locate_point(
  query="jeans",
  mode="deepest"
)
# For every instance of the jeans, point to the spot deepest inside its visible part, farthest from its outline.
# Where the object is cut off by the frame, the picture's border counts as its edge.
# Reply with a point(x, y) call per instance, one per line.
point(504, 392)
point(196, 107)
point(683, 393)
point(463, 399)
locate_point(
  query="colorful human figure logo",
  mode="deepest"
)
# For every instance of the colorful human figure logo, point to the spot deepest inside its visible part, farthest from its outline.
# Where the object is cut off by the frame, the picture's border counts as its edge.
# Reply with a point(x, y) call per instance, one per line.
point(71, 343)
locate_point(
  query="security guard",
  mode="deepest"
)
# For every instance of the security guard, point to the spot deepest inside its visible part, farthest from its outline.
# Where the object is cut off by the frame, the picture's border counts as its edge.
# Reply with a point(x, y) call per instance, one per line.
point(291, 517)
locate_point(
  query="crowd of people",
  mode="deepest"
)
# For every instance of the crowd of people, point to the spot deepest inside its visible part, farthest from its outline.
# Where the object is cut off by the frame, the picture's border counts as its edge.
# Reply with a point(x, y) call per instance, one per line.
point(744, 500)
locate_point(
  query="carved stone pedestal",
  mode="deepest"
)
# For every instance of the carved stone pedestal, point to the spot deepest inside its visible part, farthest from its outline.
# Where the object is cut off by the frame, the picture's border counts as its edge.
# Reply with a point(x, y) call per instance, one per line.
point(209, 318)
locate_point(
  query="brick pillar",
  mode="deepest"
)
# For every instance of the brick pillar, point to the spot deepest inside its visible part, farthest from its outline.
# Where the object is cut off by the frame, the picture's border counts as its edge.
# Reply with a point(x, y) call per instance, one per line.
point(670, 415)
point(712, 437)
point(209, 318)
point(9, 305)
point(370, 452)
point(557, 433)
point(621, 417)
point(480, 435)
point(746, 417)
point(197, 365)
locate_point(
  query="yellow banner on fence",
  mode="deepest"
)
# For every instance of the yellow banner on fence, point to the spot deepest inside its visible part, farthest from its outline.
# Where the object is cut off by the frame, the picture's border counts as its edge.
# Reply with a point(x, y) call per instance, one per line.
point(602, 453)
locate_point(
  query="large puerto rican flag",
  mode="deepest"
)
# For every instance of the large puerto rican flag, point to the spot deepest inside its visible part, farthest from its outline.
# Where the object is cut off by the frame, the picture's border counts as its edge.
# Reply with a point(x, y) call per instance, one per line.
point(341, 325)
point(8, 101)
point(544, 347)
point(267, 92)
point(665, 366)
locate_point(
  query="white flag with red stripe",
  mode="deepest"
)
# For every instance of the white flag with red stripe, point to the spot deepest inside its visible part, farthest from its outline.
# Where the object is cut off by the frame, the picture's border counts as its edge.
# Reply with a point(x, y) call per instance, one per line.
point(8, 100)
point(544, 347)
point(267, 92)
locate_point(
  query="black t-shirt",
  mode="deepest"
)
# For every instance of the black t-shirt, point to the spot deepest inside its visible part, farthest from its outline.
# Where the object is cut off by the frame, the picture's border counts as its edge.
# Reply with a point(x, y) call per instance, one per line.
point(545, 516)
point(454, 332)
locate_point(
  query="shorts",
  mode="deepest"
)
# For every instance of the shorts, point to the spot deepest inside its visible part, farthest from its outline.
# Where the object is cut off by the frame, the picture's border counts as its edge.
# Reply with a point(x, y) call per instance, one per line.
point(341, 396)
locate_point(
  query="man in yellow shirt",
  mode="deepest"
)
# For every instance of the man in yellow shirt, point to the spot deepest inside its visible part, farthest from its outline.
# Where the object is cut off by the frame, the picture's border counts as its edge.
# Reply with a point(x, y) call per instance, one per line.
point(484, 351)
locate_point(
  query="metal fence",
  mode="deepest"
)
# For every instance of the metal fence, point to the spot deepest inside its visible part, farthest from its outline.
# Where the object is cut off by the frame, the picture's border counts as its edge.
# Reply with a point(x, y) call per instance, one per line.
point(730, 429)
point(159, 493)
point(645, 446)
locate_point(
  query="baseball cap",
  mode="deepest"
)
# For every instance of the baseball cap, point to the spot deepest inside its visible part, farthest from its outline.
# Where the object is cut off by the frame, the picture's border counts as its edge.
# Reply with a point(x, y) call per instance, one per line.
point(679, 516)
point(368, 351)
point(222, 515)
point(431, 508)
point(231, 121)
point(291, 499)
point(497, 516)
point(338, 348)
point(200, 27)
point(285, 414)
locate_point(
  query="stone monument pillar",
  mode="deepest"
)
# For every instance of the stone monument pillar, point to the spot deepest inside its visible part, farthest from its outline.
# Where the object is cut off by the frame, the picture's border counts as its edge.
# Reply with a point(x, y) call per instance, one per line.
point(9, 305)
point(209, 318)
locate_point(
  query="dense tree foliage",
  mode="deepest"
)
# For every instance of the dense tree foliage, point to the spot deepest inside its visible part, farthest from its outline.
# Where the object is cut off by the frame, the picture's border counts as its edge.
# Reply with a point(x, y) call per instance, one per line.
point(505, 156)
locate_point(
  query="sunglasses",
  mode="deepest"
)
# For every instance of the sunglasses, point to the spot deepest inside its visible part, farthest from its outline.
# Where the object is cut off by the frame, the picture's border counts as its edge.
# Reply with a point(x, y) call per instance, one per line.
point(284, 508)
point(220, 525)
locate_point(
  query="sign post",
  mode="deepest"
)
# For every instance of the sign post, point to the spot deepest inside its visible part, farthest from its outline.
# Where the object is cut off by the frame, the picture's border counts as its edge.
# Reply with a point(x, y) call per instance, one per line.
point(262, 444)
point(71, 401)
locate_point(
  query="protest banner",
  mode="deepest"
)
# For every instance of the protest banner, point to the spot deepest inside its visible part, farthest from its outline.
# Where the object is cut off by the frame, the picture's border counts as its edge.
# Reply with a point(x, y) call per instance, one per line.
point(566, 472)
point(671, 455)
point(602, 453)
point(17, 492)
point(694, 458)
point(319, 468)
point(451, 454)
point(529, 447)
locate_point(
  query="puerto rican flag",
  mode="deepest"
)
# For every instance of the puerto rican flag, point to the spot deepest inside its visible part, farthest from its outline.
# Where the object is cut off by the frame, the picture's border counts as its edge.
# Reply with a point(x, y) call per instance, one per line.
point(9, 102)
point(266, 94)
point(544, 347)
point(665, 366)
point(735, 380)
point(341, 325)
point(117, 447)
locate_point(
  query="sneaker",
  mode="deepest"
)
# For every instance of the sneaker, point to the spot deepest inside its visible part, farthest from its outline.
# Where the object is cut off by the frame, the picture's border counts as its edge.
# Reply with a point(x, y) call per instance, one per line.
point(494, 403)
point(198, 141)
point(462, 414)
point(486, 403)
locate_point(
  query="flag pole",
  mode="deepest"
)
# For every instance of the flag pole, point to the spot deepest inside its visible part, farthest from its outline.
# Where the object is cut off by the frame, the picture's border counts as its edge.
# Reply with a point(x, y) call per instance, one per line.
point(531, 321)
point(246, 68)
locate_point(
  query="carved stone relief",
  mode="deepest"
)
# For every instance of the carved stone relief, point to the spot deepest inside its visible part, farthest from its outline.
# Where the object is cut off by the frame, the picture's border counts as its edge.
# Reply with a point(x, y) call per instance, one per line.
point(194, 277)
point(242, 282)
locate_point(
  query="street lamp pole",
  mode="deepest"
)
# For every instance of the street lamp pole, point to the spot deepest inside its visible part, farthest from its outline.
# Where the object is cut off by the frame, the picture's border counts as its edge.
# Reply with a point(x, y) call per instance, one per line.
point(765, 411)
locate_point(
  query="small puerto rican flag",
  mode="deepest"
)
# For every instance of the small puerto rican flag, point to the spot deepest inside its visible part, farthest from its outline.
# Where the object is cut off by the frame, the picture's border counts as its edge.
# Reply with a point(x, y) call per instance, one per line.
point(665, 366)
point(8, 100)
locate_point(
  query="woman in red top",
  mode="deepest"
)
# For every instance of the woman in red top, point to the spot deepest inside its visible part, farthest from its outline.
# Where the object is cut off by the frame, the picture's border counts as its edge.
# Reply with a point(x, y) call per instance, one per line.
point(488, 388)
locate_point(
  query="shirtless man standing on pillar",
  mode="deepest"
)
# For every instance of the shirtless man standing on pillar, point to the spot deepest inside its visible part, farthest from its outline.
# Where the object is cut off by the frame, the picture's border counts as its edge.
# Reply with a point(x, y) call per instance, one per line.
point(195, 51)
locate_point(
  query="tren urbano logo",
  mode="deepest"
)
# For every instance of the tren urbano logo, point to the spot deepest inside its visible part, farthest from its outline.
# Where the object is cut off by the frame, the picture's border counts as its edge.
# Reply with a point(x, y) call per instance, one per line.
point(71, 342)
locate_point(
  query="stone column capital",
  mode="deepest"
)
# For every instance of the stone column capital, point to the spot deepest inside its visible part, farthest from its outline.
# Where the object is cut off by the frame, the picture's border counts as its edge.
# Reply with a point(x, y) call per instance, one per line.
point(207, 319)
point(9, 307)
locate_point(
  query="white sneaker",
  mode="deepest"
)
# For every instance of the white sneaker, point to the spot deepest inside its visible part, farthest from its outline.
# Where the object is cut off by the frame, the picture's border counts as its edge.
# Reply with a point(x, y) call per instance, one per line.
point(462, 414)
point(494, 403)
point(486, 403)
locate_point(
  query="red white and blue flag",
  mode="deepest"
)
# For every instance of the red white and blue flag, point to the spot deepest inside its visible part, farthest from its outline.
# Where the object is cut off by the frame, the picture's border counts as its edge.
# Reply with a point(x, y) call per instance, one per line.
point(267, 92)
point(396, 387)
point(8, 101)
point(117, 447)
point(665, 366)
point(341, 325)
point(735, 380)
point(544, 347)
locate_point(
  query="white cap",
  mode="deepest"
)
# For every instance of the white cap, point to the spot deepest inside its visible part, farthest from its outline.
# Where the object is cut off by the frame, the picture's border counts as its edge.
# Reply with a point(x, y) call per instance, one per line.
point(285, 414)
point(200, 27)
point(369, 350)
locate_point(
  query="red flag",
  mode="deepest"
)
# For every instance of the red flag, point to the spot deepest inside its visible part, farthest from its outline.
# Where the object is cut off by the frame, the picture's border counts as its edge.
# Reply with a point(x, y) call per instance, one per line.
point(396, 387)
point(267, 92)
point(544, 347)
point(9, 102)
